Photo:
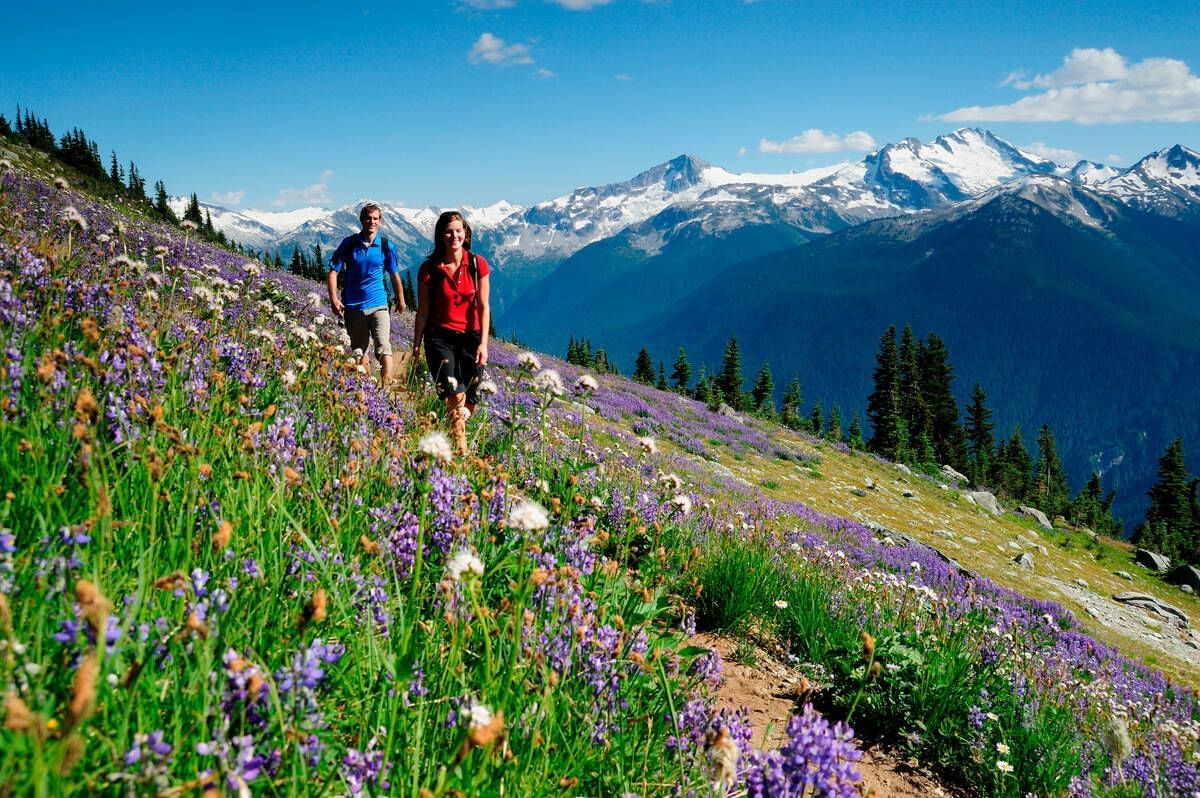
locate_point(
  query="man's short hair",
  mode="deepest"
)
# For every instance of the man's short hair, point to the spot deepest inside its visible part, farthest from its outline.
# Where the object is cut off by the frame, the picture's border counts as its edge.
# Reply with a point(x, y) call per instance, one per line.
point(370, 206)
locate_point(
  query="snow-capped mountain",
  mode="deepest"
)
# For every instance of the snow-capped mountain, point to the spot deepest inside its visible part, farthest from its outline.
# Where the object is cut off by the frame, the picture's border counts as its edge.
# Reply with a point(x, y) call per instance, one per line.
point(237, 226)
point(1166, 182)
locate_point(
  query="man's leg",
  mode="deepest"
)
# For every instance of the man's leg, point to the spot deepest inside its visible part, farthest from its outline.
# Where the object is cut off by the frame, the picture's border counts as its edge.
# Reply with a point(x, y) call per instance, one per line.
point(385, 371)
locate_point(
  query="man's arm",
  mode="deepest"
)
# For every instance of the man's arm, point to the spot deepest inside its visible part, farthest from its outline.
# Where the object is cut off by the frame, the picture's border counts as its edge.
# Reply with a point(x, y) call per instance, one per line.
point(335, 301)
point(399, 292)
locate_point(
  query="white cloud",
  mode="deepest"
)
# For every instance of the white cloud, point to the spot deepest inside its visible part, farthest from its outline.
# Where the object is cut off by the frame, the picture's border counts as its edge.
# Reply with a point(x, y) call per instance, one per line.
point(813, 140)
point(579, 5)
point(741, 152)
point(1097, 86)
point(1056, 154)
point(492, 50)
point(1112, 159)
point(545, 73)
point(622, 76)
point(228, 197)
point(487, 5)
point(313, 194)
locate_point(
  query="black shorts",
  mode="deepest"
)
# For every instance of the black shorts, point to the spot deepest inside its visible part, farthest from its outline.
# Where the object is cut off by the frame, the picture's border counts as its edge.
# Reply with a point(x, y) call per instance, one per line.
point(451, 359)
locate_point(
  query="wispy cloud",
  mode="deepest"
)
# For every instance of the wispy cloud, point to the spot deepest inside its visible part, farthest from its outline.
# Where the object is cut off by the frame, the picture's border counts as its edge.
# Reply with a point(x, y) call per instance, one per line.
point(544, 73)
point(580, 5)
point(622, 76)
point(228, 197)
point(488, 5)
point(489, 49)
point(312, 194)
point(1056, 154)
point(816, 141)
point(1094, 86)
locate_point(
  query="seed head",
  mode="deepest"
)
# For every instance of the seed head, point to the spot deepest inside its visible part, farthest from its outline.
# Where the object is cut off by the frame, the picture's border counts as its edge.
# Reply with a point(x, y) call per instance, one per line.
point(435, 446)
point(528, 517)
point(529, 361)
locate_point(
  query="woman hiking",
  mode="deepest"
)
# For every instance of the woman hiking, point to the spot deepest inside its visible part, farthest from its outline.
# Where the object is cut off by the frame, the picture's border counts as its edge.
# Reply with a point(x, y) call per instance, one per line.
point(453, 318)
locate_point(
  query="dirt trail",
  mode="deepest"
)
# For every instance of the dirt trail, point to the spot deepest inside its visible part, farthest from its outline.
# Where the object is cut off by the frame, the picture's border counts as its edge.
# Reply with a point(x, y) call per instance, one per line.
point(768, 691)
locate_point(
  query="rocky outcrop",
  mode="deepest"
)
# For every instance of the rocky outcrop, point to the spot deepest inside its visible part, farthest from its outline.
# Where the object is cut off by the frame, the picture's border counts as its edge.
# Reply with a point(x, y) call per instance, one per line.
point(1152, 560)
point(1036, 514)
point(985, 500)
point(1154, 606)
point(1024, 560)
point(1185, 575)
point(949, 473)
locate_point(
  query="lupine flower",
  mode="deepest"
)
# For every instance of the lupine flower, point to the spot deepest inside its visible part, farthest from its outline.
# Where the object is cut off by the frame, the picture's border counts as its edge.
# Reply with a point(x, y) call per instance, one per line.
point(528, 517)
point(436, 446)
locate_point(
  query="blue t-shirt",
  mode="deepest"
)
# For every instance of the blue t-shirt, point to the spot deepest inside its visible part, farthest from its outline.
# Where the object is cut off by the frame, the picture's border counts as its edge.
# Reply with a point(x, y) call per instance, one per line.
point(362, 287)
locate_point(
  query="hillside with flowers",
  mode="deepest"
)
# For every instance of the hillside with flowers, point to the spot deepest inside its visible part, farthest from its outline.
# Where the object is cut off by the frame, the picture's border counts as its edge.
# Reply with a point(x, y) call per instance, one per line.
point(232, 565)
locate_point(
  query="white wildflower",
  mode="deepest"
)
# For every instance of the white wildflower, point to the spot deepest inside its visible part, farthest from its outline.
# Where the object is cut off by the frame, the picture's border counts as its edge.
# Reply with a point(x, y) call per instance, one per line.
point(452, 382)
point(71, 215)
point(289, 378)
point(596, 503)
point(252, 268)
point(479, 715)
point(5, 165)
point(463, 563)
point(549, 382)
point(151, 295)
point(1116, 738)
point(781, 604)
point(301, 364)
point(435, 445)
point(314, 299)
point(670, 483)
point(529, 517)
point(188, 224)
point(586, 384)
point(915, 566)
point(648, 445)
point(62, 183)
point(320, 318)
point(104, 238)
point(356, 355)
point(683, 502)
point(1002, 748)
point(487, 388)
point(161, 249)
point(529, 361)
point(723, 756)
point(1003, 766)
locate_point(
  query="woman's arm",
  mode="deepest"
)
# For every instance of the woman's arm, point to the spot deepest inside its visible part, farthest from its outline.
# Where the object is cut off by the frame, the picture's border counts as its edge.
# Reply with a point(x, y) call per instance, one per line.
point(422, 315)
point(485, 319)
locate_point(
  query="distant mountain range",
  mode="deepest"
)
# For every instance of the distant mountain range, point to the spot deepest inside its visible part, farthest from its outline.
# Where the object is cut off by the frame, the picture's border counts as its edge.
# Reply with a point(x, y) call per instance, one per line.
point(1070, 292)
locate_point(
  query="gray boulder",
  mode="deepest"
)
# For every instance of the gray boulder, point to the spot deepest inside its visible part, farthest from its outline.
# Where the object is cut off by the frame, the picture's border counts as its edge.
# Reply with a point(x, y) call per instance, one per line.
point(985, 500)
point(1024, 560)
point(1185, 575)
point(1128, 577)
point(903, 469)
point(729, 412)
point(1036, 515)
point(949, 473)
point(1187, 589)
point(1155, 606)
point(1152, 560)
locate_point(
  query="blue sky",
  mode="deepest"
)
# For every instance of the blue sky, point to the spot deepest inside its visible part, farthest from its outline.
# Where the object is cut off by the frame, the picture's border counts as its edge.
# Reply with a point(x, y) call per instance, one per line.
point(276, 105)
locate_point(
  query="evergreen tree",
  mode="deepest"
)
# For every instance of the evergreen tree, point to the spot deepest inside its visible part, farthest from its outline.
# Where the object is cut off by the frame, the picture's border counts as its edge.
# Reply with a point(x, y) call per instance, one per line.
point(816, 419)
point(602, 365)
point(1013, 467)
point(980, 442)
point(730, 379)
point(572, 350)
point(5, 128)
point(883, 405)
point(913, 409)
point(319, 266)
point(161, 204)
point(715, 397)
point(192, 212)
point(585, 353)
point(297, 266)
point(833, 427)
point(410, 293)
point(114, 171)
point(1092, 509)
point(702, 393)
point(208, 225)
point(681, 373)
point(1050, 479)
point(937, 378)
point(855, 435)
point(662, 377)
point(763, 393)
point(1170, 520)
point(643, 368)
point(789, 413)
point(278, 261)
point(137, 185)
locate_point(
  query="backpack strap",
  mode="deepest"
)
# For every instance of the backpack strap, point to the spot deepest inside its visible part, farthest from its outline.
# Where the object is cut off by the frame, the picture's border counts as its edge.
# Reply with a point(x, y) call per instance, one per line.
point(387, 287)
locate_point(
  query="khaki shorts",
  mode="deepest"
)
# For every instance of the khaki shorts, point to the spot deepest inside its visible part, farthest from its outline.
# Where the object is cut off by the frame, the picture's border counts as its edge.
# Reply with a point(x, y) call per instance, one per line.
point(372, 324)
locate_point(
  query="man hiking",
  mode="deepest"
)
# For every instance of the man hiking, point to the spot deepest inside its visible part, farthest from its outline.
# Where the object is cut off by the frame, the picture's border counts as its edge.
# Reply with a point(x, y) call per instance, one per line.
point(365, 258)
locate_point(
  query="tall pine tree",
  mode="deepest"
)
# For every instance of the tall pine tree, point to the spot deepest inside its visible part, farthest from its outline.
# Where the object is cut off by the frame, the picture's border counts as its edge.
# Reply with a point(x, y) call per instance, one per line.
point(643, 368)
point(980, 440)
point(1050, 478)
point(883, 405)
point(763, 392)
point(681, 373)
point(730, 379)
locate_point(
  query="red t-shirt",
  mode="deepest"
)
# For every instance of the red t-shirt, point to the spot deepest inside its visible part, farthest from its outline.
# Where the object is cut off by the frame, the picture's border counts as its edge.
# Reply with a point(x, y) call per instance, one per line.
point(452, 300)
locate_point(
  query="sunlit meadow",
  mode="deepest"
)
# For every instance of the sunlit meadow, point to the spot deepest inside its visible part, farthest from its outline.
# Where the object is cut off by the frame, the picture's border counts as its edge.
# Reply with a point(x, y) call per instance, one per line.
point(230, 564)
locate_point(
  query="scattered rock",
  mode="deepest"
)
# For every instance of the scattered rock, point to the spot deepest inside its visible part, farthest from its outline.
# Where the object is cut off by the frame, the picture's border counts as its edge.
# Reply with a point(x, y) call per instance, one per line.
point(1082, 583)
point(1061, 523)
point(1187, 589)
point(1185, 576)
point(1014, 545)
point(1042, 550)
point(1026, 540)
point(1151, 604)
point(1035, 514)
point(908, 494)
point(858, 492)
point(1092, 536)
point(949, 473)
point(985, 500)
point(903, 469)
point(970, 541)
point(1152, 560)
point(970, 499)
point(1128, 577)
point(945, 533)
point(1024, 560)
point(729, 413)
point(870, 484)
